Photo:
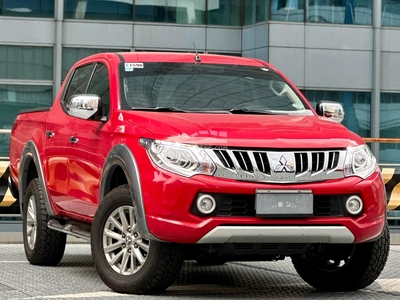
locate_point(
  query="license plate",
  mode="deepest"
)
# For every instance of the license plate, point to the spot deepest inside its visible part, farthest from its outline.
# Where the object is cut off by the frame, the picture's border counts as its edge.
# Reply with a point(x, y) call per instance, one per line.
point(284, 203)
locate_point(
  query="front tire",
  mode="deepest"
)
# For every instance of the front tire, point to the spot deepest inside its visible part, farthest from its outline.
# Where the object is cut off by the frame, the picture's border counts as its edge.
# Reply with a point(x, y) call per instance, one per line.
point(126, 261)
point(42, 245)
point(345, 267)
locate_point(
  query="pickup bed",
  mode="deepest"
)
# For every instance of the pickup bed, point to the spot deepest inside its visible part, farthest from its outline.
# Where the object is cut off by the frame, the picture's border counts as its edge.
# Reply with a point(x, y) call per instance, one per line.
point(158, 158)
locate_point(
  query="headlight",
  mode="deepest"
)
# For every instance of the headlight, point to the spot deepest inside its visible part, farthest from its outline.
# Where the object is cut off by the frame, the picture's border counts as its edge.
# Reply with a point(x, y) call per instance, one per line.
point(359, 162)
point(183, 159)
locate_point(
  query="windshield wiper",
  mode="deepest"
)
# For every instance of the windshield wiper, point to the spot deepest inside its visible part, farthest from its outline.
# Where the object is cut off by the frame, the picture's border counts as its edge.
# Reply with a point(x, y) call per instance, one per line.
point(160, 109)
point(254, 111)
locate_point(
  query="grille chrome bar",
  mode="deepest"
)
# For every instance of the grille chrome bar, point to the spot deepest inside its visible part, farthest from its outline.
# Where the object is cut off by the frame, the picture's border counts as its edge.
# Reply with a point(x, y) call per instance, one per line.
point(278, 167)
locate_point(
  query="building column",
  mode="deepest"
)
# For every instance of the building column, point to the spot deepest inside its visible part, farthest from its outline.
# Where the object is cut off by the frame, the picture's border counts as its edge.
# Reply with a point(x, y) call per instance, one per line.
point(57, 51)
point(376, 75)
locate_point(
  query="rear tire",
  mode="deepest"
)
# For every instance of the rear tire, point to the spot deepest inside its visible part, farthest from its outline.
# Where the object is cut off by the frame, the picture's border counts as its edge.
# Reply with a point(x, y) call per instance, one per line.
point(345, 267)
point(126, 261)
point(43, 246)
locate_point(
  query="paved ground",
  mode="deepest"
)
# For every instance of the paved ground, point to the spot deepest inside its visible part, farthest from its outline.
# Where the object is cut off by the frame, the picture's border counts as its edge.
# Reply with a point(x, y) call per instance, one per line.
point(76, 278)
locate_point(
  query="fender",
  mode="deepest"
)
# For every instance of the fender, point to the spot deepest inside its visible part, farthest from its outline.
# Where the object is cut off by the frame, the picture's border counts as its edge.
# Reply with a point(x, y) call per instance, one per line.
point(30, 153)
point(122, 156)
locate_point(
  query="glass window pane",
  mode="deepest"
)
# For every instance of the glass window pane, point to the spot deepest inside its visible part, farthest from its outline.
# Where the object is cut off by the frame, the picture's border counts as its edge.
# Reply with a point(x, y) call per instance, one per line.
point(170, 11)
point(99, 9)
point(26, 62)
point(287, 10)
point(27, 8)
point(391, 13)
point(356, 105)
point(389, 127)
point(340, 11)
point(13, 98)
point(72, 55)
point(224, 12)
point(79, 81)
point(100, 86)
point(255, 11)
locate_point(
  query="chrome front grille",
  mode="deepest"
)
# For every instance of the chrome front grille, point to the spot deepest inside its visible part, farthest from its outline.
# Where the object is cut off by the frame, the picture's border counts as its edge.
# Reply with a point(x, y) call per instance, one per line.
point(274, 166)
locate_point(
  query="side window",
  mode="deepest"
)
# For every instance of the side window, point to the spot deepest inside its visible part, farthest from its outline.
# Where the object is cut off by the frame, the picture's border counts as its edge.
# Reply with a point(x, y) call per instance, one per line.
point(99, 85)
point(79, 81)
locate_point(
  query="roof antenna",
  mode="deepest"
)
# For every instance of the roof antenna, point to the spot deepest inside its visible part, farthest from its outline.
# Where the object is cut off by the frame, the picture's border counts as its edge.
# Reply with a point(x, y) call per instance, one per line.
point(197, 57)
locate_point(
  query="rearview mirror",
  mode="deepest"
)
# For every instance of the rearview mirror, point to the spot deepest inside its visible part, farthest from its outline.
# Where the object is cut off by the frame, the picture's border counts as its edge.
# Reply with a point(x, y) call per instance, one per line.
point(84, 106)
point(330, 110)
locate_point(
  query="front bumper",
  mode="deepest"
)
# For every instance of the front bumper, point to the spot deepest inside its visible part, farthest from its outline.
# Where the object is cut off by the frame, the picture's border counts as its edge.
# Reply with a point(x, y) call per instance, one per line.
point(168, 201)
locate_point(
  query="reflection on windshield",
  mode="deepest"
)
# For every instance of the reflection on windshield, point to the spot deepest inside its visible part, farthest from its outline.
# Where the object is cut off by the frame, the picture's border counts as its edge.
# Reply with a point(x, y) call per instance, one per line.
point(202, 87)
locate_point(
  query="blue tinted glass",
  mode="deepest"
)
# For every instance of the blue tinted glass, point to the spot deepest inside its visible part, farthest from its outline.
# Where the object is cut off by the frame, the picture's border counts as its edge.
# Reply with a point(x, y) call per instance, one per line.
point(287, 10)
point(99, 9)
point(224, 12)
point(179, 12)
point(18, 62)
point(27, 8)
point(391, 13)
point(357, 107)
point(13, 98)
point(389, 127)
point(255, 11)
point(340, 11)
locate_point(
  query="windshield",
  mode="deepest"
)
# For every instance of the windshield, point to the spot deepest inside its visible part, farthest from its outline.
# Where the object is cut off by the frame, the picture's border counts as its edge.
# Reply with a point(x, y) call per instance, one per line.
point(183, 87)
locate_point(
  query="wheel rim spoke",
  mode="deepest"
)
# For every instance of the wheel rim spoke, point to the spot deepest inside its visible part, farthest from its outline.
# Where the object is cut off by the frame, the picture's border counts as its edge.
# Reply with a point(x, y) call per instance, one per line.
point(139, 256)
point(117, 224)
point(124, 262)
point(112, 247)
point(113, 235)
point(143, 246)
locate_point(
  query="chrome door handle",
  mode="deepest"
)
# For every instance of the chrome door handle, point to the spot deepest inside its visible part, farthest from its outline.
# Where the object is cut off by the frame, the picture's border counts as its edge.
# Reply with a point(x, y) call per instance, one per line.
point(49, 133)
point(73, 139)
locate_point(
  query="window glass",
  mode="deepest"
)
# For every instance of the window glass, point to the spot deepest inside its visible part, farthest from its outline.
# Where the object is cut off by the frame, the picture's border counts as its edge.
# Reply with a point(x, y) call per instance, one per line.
point(79, 81)
point(18, 62)
point(208, 88)
point(170, 11)
point(99, 9)
point(340, 11)
point(224, 12)
point(287, 10)
point(13, 98)
point(391, 13)
point(356, 105)
point(255, 11)
point(389, 127)
point(27, 8)
point(72, 55)
point(100, 86)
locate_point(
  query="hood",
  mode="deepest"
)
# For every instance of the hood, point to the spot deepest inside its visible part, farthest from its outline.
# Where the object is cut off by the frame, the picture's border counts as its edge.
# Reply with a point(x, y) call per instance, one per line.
point(245, 130)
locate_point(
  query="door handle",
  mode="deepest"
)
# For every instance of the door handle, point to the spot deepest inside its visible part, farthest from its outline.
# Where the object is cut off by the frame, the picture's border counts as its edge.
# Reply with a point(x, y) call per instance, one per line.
point(73, 139)
point(49, 133)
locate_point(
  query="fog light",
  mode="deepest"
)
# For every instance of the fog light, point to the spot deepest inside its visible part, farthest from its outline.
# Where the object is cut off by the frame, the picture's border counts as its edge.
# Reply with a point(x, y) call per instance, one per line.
point(206, 204)
point(354, 205)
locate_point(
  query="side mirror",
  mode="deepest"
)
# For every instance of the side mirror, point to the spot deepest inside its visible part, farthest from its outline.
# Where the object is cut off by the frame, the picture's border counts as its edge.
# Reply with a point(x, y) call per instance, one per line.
point(330, 110)
point(84, 106)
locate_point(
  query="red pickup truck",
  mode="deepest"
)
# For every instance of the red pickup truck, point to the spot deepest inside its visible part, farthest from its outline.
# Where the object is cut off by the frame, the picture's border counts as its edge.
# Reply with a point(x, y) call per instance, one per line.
point(158, 158)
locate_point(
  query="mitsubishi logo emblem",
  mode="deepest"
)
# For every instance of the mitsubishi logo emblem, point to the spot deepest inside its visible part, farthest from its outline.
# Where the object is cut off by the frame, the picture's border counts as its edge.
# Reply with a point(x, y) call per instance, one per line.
point(283, 167)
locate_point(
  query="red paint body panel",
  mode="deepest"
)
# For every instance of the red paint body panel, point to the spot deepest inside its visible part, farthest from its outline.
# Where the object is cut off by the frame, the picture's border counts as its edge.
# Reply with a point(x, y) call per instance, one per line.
point(72, 172)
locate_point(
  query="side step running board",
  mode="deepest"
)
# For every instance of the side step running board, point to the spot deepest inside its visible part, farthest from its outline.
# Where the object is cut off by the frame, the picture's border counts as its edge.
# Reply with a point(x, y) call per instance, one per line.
point(70, 229)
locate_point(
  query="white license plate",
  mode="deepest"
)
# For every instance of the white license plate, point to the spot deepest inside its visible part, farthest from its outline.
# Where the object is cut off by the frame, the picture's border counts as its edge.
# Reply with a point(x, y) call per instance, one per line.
point(284, 203)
